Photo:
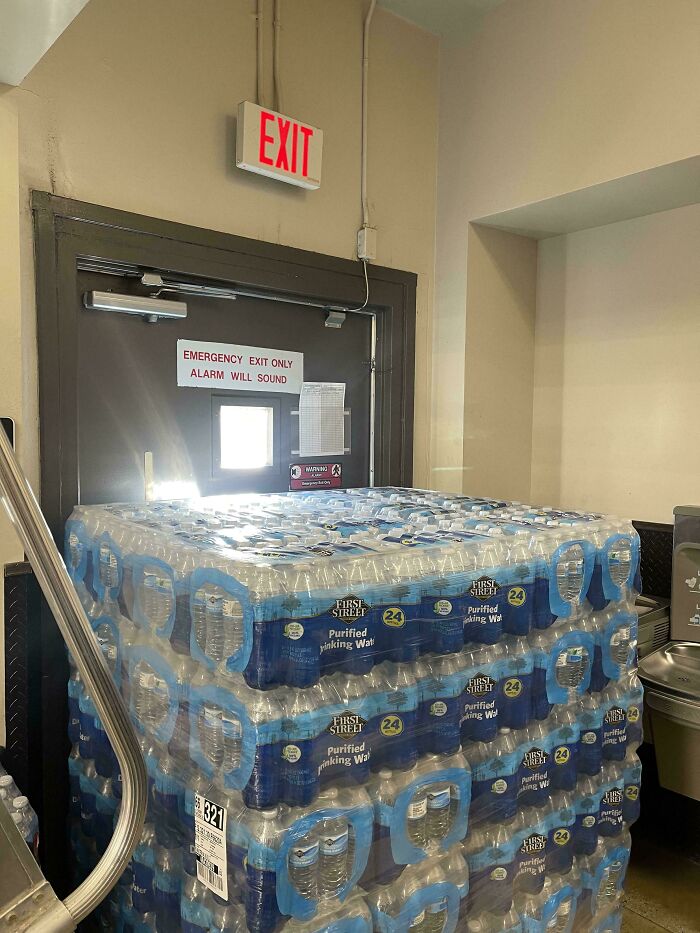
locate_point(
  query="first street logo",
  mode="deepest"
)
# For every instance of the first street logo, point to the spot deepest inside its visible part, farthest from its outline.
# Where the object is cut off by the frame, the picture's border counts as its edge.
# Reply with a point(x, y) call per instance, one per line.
point(480, 685)
point(349, 609)
point(484, 588)
point(534, 759)
point(534, 843)
point(347, 725)
point(615, 715)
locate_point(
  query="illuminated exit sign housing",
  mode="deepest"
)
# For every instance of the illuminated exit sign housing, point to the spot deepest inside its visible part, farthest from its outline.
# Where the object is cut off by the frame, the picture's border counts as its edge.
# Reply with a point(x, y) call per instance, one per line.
point(278, 146)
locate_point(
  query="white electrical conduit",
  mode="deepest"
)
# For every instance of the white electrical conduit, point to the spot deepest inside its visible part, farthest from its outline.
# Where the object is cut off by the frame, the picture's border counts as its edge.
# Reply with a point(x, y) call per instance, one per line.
point(365, 83)
point(363, 171)
point(276, 55)
point(259, 54)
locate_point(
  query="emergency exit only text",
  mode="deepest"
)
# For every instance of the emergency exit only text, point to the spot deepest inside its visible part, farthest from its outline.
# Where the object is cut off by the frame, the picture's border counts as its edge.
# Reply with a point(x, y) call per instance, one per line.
point(229, 366)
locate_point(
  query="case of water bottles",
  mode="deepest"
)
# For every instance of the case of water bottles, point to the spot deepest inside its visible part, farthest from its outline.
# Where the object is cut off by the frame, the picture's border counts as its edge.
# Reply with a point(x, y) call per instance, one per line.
point(366, 710)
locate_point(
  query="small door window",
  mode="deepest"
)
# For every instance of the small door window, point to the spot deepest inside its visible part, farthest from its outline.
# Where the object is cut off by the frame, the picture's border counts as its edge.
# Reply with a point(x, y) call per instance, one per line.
point(245, 436)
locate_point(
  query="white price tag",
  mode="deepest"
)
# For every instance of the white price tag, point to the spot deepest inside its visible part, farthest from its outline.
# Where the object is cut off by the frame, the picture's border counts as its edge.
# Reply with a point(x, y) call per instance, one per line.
point(210, 845)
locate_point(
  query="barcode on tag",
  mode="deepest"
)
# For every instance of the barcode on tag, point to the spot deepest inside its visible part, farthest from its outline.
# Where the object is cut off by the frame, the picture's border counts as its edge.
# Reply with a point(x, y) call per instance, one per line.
point(210, 845)
point(209, 877)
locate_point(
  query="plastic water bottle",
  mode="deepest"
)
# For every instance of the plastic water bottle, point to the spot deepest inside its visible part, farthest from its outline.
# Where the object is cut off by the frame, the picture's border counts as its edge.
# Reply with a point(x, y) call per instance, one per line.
point(613, 701)
point(456, 871)
point(480, 697)
point(265, 715)
point(515, 700)
point(491, 859)
point(571, 663)
point(75, 769)
point(587, 806)
point(228, 918)
point(554, 908)
point(75, 688)
point(233, 741)
point(300, 777)
point(168, 889)
point(438, 813)
point(530, 832)
point(260, 893)
point(333, 856)
point(398, 746)
point(590, 750)
point(441, 683)
point(156, 592)
point(143, 893)
point(150, 696)
point(540, 643)
point(508, 922)
point(566, 736)
point(26, 820)
point(88, 713)
point(437, 911)
point(218, 622)
point(635, 709)
point(88, 803)
point(607, 867)
point(8, 789)
point(211, 733)
point(632, 774)
point(416, 814)
point(494, 779)
point(196, 907)
point(534, 772)
point(612, 796)
point(167, 802)
point(570, 571)
point(388, 901)
point(303, 866)
point(560, 841)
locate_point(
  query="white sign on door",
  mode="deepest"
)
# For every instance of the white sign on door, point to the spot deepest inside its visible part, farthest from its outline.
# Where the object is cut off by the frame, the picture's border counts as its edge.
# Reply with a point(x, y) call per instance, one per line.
point(230, 366)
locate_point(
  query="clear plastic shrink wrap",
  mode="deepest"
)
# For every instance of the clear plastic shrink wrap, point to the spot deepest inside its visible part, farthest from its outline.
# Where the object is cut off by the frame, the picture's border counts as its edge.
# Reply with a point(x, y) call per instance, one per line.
point(367, 710)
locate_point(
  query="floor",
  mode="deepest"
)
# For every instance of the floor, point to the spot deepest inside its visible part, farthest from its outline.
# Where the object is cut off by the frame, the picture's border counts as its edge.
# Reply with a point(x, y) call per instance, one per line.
point(662, 890)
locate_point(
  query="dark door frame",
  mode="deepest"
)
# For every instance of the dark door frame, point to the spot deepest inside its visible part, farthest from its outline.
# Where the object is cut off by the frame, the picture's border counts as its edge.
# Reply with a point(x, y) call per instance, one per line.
point(68, 231)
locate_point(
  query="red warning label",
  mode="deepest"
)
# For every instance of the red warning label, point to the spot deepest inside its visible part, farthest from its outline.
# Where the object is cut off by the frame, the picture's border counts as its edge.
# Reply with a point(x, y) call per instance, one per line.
point(315, 475)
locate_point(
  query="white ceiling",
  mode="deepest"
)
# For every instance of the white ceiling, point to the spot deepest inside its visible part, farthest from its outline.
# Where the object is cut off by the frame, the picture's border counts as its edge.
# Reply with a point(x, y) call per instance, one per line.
point(28, 28)
point(443, 17)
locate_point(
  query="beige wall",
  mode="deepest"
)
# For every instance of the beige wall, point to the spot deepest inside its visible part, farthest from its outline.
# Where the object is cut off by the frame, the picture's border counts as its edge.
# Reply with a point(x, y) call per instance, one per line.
point(133, 108)
point(617, 378)
point(547, 96)
point(10, 328)
point(501, 290)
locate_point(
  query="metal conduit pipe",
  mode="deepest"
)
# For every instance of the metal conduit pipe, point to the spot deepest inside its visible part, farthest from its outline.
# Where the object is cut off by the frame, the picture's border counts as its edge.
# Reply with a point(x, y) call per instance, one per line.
point(62, 598)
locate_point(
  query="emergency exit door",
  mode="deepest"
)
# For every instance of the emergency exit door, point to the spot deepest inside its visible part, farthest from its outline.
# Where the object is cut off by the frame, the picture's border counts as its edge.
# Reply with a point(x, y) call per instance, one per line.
point(109, 397)
point(141, 434)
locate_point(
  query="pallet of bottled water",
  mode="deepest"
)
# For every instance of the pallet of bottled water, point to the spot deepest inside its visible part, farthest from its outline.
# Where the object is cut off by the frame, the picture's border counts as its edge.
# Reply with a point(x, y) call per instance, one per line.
point(374, 709)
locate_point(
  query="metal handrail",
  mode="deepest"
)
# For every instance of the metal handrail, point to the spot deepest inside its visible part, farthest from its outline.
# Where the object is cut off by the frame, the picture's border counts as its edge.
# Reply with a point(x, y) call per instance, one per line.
point(63, 600)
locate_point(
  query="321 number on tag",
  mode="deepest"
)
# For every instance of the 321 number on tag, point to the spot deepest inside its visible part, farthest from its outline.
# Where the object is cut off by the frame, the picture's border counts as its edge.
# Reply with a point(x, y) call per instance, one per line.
point(210, 845)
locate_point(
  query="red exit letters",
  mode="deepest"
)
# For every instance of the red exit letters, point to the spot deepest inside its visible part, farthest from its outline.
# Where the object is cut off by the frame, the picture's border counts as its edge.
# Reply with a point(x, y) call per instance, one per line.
point(277, 149)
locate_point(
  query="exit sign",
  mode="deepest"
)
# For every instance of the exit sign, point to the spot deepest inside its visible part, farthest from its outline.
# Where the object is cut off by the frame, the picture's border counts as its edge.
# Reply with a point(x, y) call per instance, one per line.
point(281, 147)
